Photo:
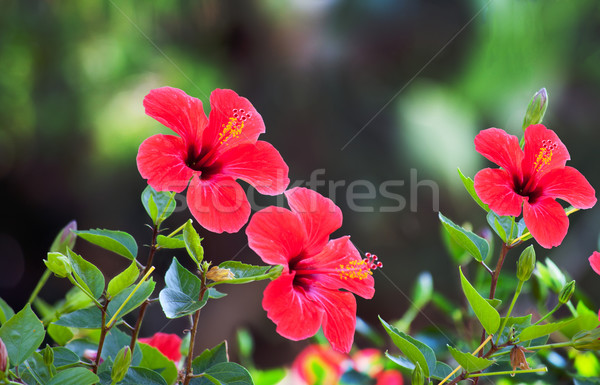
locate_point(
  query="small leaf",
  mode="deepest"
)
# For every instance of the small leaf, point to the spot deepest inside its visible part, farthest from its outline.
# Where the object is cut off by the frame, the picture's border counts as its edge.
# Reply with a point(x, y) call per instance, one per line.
point(5, 311)
point(215, 294)
point(401, 361)
point(175, 242)
point(494, 302)
point(123, 279)
point(158, 204)
point(468, 182)
point(181, 295)
point(227, 373)
point(536, 331)
point(442, 370)
point(244, 273)
point(193, 242)
point(502, 225)
point(86, 274)
point(474, 244)
point(74, 376)
point(118, 242)
point(487, 315)
point(153, 359)
point(210, 358)
point(468, 361)
point(22, 334)
point(414, 350)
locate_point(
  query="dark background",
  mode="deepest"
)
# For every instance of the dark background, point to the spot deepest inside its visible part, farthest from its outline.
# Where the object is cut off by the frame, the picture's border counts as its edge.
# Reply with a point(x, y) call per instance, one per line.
point(367, 90)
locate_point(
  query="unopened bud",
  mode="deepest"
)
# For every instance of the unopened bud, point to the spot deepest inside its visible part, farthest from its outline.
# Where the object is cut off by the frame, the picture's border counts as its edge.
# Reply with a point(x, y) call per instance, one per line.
point(587, 340)
point(217, 274)
point(59, 264)
point(121, 364)
point(536, 109)
point(518, 359)
point(65, 239)
point(526, 264)
point(418, 377)
point(566, 292)
point(48, 355)
point(4, 363)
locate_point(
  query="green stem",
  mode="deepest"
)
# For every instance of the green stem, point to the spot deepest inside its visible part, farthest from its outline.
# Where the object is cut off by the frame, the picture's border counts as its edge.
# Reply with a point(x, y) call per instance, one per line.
point(39, 286)
point(572, 309)
point(558, 305)
point(176, 230)
point(510, 308)
point(195, 321)
point(85, 291)
point(103, 333)
point(511, 372)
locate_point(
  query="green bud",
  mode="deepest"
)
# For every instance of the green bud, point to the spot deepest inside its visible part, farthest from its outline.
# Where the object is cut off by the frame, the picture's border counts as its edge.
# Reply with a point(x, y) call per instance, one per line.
point(59, 264)
point(566, 292)
point(48, 355)
point(193, 242)
point(4, 362)
point(587, 340)
point(121, 364)
point(536, 109)
point(65, 239)
point(526, 264)
point(184, 348)
point(418, 377)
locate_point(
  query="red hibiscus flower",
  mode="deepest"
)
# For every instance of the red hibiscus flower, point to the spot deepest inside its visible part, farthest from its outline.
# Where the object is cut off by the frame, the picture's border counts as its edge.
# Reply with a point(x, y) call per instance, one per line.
point(209, 155)
point(595, 263)
point(532, 178)
point(307, 294)
point(167, 344)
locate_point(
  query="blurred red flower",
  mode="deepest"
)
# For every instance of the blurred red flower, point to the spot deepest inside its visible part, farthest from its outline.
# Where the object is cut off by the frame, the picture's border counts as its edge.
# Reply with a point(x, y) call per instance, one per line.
point(532, 178)
point(595, 263)
point(209, 155)
point(307, 294)
point(167, 344)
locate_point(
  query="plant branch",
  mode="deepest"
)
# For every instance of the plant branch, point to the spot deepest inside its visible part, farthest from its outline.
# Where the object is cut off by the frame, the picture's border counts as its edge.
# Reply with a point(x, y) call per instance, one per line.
point(194, 329)
point(39, 285)
point(103, 332)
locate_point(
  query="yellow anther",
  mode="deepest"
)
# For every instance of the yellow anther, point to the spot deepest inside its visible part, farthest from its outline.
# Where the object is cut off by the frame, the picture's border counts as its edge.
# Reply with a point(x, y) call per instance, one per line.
point(355, 270)
point(543, 158)
point(232, 129)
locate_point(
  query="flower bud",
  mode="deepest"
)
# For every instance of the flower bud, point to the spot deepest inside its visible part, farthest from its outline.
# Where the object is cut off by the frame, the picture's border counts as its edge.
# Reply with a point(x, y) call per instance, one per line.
point(418, 377)
point(217, 274)
point(65, 239)
point(536, 109)
point(4, 363)
point(48, 355)
point(121, 364)
point(566, 292)
point(587, 340)
point(58, 264)
point(526, 264)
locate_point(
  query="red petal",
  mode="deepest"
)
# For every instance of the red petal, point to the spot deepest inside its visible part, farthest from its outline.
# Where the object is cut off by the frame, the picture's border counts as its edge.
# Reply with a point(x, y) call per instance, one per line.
point(218, 204)
point(339, 320)
point(495, 188)
point(178, 111)
point(546, 221)
point(167, 344)
point(224, 104)
point(389, 377)
point(338, 252)
point(276, 235)
point(296, 316)
point(319, 215)
point(501, 148)
point(160, 159)
point(543, 151)
point(259, 164)
point(570, 185)
point(595, 261)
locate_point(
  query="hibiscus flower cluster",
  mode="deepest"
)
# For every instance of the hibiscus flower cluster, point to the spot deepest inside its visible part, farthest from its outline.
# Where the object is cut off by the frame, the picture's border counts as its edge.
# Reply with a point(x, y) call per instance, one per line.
point(207, 156)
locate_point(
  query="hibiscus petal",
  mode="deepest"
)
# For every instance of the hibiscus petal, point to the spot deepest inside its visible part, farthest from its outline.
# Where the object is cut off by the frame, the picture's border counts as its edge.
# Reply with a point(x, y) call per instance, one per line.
point(339, 321)
point(232, 121)
point(340, 252)
point(595, 261)
point(178, 111)
point(501, 148)
point(319, 215)
point(296, 316)
point(219, 204)
point(546, 221)
point(570, 185)
point(168, 344)
point(543, 151)
point(259, 164)
point(160, 159)
point(276, 235)
point(495, 188)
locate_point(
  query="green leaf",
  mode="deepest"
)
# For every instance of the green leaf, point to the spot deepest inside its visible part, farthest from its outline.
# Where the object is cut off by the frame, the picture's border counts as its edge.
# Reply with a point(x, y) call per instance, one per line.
point(514, 324)
point(142, 376)
point(22, 334)
point(474, 244)
point(215, 294)
point(64, 356)
point(88, 318)
point(227, 373)
point(86, 274)
point(494, 302)
point(60, 334)
point(118, 242)
point(192, 242)
point(180, 296)
point(153, 359)
point(468, 182)
point(423, 290)
point(414, 350)
point(38, 369)
point(269, 376)
point(158, 204)
point(401, 361)
point(210, 357)
point(468, 361)
point(487, 315)
point(536, 331)
point(244, 273)
point(5, 311)
point(74, 376)
point(442, 370)
point(123, 279)
point(175, 242)
point(114, 342)
point(502, 225)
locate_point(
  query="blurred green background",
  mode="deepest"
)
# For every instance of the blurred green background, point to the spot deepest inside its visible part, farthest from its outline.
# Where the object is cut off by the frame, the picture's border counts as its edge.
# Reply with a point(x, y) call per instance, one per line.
point(374, 90)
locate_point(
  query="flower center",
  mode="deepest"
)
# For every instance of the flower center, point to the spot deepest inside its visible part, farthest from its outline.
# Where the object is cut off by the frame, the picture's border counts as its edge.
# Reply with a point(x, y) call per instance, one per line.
point(234, 126)
point(544, 155)
point(360, 269)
